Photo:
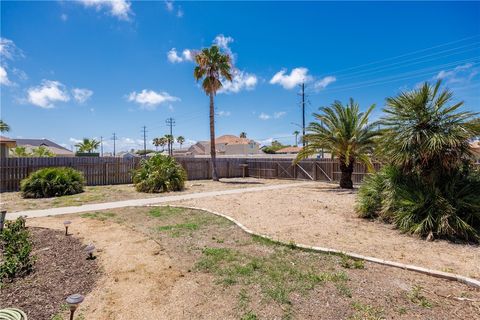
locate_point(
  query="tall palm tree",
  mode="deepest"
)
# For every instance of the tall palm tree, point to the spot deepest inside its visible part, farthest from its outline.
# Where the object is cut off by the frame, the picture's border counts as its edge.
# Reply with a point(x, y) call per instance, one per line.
point(88, 145)
point(346, 133)
point(180, 140)
point(424, 132)
point(296, 133)
point(4, 127)
point(160, 142)
point(243, 134)
point(169, 139)
point(212, 66)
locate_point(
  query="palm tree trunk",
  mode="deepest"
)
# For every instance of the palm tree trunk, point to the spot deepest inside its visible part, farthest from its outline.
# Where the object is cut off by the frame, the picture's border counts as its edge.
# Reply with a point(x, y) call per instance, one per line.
point(213, 152)
point(346, 177)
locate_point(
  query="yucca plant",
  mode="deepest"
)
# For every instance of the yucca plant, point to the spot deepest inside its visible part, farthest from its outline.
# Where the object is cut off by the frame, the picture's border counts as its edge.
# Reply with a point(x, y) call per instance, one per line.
point(346, 133)
point(159, 173)
point(430, 186)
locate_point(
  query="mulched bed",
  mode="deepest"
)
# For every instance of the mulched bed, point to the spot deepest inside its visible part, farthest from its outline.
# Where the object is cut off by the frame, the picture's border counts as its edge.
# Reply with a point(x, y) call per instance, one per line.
point(61, 269)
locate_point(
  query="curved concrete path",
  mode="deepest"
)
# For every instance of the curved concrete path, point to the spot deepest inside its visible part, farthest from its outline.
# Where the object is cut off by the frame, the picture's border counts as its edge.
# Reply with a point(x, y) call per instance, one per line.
point(142, 202)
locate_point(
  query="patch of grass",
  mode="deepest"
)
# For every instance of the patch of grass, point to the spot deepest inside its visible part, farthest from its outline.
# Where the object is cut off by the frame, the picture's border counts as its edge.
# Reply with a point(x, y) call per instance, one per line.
point(166, 211)
point(366, 312)
point(415, 295)
point(351, 263)
point(344, 290)
point(249, 316)
point(402, 310)
point(277, 274)
point(98, 215)
point(264, 241)
point(186, 222)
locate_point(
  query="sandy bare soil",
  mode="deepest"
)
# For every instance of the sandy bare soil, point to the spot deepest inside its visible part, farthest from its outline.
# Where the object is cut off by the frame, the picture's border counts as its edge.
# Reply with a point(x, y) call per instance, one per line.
point(164, 263)
point(323, 215)
point(13, 201)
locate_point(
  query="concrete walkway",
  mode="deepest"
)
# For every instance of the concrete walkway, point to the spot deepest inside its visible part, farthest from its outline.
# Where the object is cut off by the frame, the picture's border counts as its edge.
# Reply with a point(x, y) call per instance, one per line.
point(143, 202)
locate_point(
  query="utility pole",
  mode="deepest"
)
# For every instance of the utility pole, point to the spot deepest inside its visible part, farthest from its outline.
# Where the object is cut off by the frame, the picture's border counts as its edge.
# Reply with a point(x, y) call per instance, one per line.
point(101, 146)
point(144, 141)
point(114, 139)
point(171, 123)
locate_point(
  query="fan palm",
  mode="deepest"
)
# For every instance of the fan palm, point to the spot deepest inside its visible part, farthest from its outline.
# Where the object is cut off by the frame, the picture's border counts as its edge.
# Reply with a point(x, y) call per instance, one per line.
point(88, 145)
point(169, 141)
point(346, 133)
point(4, 127)
point(425, 132)
point(181, 140)
point(296, 133)
point(212, 67)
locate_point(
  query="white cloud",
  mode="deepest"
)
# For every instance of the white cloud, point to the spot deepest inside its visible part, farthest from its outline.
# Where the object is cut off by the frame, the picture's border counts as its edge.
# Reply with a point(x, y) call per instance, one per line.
point(289, 81)
point(117, 8)
point(278, 115)
point(149, 99)
point(81, 95)
point(459, 74)
point(188, 55)
point(169, 5)
point(264, 116)
point(64, 17)
point(173, 56)
point(4, 77)
point(46, 94)
point(223, 43)
point(241, 80)
point(323, 83)
point(180, 13)
point(222, 113)
point(8, 49)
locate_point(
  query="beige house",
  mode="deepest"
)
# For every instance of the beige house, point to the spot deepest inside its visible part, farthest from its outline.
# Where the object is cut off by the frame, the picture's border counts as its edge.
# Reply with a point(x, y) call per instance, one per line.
point(56, 149)
point(5, 145)
point(226, 145)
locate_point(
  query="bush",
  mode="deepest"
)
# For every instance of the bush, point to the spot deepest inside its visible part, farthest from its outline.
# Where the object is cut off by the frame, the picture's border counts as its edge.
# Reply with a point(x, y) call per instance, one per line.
point(16, 247)
point(52, 182)
point(159, 174)
point(449, 209)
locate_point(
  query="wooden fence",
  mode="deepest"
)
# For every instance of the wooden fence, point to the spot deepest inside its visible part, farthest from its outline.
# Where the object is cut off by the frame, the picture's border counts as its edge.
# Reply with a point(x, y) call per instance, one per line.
point(110, 170)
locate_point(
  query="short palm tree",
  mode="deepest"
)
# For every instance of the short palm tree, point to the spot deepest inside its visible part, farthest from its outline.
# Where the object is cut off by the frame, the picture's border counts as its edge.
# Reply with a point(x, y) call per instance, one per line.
point(424, 132)
point(19, 151)
point(181, 140)
point(42, 152)
point(88, 145)
point(346, 133)
point(212, 66)
point(296, 133)
point(4, 127)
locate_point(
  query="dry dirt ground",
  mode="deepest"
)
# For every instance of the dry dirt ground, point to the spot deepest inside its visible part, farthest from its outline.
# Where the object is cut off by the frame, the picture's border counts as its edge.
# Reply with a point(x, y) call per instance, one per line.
point(170, 263)
point(13, 201)
point(323, 215)
point(61, 269)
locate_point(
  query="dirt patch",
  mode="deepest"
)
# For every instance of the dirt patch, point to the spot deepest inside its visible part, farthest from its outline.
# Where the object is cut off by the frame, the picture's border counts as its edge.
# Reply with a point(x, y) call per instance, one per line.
point(323, 215)
point(13, 201)
point(169, 263)
point(60, 270)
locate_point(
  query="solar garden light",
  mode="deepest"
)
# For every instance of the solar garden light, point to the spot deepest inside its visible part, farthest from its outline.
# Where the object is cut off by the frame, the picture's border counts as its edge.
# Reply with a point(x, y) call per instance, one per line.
point(74, 301)
point(3, 213)
point(89, 249)
point(66, 224)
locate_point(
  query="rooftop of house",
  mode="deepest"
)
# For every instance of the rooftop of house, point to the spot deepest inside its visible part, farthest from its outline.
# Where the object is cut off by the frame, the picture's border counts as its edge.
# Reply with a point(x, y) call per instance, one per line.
point(39, 143)
point(7, 141)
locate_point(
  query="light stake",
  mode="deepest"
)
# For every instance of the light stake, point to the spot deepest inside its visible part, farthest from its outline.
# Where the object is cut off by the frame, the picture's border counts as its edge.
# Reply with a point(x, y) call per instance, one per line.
point(89, 249)
point(74, 301)
point(66, 224)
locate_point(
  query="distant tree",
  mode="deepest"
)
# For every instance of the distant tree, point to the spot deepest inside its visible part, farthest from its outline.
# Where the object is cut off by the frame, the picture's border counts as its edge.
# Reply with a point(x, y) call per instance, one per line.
point(345, 132)
point(296, 133)
point(274, 147)
point(212, 65)
point(243, 134)
point(159, 142)
point(88, 145)
point(4, 127)
point(42, 152)
point(170, 139)
point(181, 140)
point(19, 151)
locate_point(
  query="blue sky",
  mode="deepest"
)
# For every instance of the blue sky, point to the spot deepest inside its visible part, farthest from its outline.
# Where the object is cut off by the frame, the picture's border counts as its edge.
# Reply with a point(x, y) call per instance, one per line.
point(73, 69)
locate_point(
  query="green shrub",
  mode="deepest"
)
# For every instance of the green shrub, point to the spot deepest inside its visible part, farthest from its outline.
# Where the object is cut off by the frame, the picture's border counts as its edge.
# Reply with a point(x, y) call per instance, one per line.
point(16, 249)
point(159, 174)
point(52, 182)
point(448, 209)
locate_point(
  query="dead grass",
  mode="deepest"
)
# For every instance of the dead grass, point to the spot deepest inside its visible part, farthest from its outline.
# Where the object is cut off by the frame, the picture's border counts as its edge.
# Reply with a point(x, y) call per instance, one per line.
point(223, 273)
